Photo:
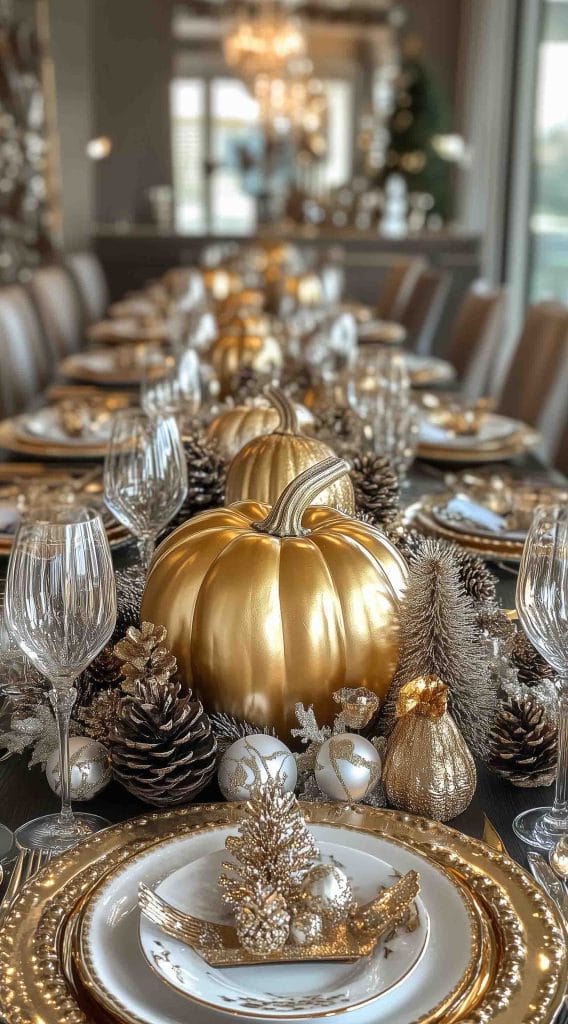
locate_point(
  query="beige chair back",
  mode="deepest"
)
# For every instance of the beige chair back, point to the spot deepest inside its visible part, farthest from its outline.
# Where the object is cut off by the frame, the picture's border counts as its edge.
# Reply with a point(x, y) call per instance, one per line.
point(25, 359)
point(424, 308)
point(397, 287)
point(538, 361)
point(87, 271)
point(475, 335)
point(59, 305)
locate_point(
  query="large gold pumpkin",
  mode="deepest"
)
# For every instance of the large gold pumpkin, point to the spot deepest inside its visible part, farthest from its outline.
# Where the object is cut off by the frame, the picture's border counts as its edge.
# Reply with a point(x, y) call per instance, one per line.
point(266, 607)
point(232, 351)
point(262, 469)
point(232, 429)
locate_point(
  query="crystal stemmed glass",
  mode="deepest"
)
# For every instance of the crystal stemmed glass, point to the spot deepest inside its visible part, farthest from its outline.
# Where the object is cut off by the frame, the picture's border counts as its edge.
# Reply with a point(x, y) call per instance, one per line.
point(145, 475)
point(61, 611)
point(542, 605)
point(173, 388)
point(7, 652)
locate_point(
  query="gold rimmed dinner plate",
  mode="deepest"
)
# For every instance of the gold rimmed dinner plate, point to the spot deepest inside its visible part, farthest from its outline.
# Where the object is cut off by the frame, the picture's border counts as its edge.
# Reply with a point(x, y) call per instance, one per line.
point(19, 476)
point(128, 331)
point(113, 400)
point(14, 441)
point(499, 549)
point(122, 366)
point(528, 984)
point(518, 443)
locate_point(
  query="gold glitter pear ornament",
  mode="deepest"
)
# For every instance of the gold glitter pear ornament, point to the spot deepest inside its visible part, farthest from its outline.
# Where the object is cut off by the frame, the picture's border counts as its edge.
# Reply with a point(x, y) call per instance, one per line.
point(262, 469)
point(428, 768)
point(266, 608)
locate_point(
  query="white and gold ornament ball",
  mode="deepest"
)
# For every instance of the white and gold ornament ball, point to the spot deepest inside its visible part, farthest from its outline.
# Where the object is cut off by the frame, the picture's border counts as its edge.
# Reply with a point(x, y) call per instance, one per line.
point(327, 892)
point(251, 761)
point(90, 768)
point(347, 767)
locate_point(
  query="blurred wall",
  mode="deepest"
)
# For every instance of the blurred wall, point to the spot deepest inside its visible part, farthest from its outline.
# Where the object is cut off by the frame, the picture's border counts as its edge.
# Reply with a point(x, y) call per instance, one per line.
point(71, 52)
point(131, 61)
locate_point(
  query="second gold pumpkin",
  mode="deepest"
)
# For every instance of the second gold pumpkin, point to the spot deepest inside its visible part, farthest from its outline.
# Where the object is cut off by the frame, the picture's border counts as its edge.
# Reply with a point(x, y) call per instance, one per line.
point(264, 467)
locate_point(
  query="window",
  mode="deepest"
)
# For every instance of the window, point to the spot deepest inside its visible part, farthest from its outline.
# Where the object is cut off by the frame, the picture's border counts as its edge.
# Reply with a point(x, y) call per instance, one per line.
point(217, 140)
point(548, 247)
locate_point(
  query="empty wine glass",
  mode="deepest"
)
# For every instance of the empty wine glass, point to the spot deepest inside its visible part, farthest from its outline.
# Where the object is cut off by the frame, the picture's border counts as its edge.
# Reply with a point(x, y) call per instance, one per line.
point(542, 604)
point(145, 475)
point(61, 611)
point(6, 659)
point(173, 387)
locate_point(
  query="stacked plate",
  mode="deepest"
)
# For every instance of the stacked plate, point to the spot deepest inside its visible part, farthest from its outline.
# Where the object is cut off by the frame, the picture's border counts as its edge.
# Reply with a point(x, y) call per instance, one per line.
point(489, 515)
point(381, 332)
point(74, 946)
point(128, 330)
point(122, 366)
point(495, 438)
point(25, 483)
point(45, 433)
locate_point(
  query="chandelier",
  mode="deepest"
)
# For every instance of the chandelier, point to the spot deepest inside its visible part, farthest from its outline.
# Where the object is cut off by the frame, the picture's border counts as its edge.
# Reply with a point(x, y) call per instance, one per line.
point(263, 43)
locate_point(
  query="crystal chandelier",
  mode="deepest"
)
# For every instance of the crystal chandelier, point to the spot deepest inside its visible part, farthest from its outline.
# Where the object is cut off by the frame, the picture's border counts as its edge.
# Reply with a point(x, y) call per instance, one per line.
point(263, 43)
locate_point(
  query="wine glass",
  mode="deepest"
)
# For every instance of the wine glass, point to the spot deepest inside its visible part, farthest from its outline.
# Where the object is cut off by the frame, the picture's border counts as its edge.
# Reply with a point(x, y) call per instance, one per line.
point(172, 388)
point(145, 475)
point(542, 605)
point(61, 611)
point(7, 656)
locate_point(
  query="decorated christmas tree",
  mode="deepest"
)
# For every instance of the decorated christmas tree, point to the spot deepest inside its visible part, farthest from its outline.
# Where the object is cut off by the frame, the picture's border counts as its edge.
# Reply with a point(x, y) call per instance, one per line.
point(420, 113)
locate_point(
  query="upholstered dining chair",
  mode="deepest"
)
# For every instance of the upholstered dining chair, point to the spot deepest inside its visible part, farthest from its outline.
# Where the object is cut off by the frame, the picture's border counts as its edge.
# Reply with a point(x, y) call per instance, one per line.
point(424, 307)
point(397, 287)
point(88, 274)
point(25, 358)
point(538, 365)
point(59, 306)
point(475, 335)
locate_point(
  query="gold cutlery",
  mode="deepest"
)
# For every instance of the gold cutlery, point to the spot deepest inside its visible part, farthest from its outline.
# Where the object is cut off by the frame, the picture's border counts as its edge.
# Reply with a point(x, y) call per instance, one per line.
point(491, 836)
point(219, 946)
point(28, 863)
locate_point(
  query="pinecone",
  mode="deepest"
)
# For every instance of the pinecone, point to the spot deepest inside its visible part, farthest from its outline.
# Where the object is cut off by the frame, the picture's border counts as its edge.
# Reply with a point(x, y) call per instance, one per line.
point(376, 488)
point(130, 583)
point(227, 729)
point(531, 667)
point(248, 383)
point(104, 673)
point(162, 747)
point(262, 920)
point(145, 657)
point(340, 427)
point(206, 472)
point(479, 583)
point(523, 745)
point(407, 540)
point(98, 717)
point(496, 624)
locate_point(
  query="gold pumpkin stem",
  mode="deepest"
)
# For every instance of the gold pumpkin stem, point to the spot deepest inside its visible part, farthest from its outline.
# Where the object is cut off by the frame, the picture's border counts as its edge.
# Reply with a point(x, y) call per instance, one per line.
point(285, 517)
point(286, 410)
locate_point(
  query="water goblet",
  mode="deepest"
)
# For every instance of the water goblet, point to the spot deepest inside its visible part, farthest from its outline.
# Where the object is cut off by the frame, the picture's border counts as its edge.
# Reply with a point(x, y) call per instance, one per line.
point(145, 475)
point(61, 611)
point(542, 605)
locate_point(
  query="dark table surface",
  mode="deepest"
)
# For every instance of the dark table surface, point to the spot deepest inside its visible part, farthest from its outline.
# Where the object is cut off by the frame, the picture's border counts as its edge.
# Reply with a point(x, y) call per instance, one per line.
point(25, 794)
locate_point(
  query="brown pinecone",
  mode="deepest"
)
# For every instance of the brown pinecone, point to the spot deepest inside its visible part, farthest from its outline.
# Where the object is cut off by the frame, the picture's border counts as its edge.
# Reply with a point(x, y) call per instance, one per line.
point(104, 673)
point(339, 427)
point(531, 667)
point(162, 747)
point(144, 657)
point(206, 472)
point(479, 583)
point(97, 718)
point(376, 488)
point(496, 624)
point(407, 540)
point(248, 383)
point(523, 745)
point(228, 729)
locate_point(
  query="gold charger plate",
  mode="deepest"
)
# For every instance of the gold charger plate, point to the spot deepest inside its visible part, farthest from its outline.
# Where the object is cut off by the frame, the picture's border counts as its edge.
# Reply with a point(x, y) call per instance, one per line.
point(477, 976)
point(531, 976)
point(517, 443)
point(420, 515)
point(117, 332)
point(83, 367)
point(26, 473)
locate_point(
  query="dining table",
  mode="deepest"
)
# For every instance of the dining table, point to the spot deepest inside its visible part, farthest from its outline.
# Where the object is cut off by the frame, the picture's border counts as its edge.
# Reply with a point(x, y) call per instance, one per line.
point(25, 793)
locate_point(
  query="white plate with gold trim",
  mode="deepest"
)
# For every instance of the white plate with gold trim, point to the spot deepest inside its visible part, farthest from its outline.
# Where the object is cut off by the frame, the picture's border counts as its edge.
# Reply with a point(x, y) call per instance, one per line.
point(112, 964)
point(266, 990)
